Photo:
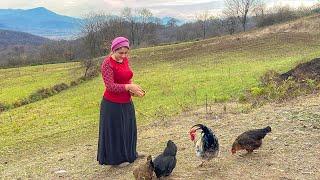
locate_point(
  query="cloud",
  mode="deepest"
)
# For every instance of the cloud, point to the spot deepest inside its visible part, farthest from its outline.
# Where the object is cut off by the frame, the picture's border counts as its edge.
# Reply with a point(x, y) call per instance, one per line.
point(185, 9)
point(188, 11)
point(71, 3)
point(292, 3)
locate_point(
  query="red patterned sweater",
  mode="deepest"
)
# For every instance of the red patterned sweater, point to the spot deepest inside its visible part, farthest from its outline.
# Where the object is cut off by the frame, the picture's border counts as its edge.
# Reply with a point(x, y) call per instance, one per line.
point(115, 75)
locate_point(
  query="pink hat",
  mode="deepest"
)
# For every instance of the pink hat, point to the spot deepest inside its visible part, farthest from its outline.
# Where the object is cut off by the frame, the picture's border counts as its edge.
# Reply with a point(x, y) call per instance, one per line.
point(119, 42)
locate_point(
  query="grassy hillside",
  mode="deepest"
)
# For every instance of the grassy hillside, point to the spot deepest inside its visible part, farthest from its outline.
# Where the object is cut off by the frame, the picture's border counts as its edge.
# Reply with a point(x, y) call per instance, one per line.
point(176, 77)
point(17, 83)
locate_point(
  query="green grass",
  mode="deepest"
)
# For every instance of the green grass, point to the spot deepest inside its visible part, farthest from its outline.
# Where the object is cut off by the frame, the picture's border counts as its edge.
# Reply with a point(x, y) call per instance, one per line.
point(176, 78)
point(18, 83)
point(65, 112)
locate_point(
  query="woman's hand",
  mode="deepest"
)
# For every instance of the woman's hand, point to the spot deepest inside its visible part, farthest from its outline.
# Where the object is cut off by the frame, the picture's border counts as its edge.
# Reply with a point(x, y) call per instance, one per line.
point(135, 90)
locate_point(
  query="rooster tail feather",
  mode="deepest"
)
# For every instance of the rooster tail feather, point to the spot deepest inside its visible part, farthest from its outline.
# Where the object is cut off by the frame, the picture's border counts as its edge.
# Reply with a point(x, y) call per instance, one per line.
point(198, 125)
point(204, 128)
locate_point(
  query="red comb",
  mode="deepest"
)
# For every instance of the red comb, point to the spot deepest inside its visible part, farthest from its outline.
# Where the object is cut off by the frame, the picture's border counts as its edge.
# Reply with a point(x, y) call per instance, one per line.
point(192, 135)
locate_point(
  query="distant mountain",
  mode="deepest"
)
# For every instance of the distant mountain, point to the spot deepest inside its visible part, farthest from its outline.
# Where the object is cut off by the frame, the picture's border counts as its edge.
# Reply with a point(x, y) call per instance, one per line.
point(166, 19)
point(43, 22)
point(13, 38)
point(12, 43)
point(39, 21)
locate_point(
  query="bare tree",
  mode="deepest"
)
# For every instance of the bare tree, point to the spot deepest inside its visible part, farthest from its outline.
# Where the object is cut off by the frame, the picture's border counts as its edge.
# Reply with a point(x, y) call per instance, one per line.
point(144, 19)
point(230, 24)
point(113, 27)
point(52, 52)
point(280, 14)
point(93, 36)
point(203, 19)
point(91, 67)
point(241, 9)
point(128, 14)
point(259, 10)
point(172, 22)
point(68, 53)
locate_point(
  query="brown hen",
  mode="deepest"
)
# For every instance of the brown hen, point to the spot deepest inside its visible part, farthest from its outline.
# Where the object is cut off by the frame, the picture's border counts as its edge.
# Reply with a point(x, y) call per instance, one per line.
point(144, 171)
point(250, 140)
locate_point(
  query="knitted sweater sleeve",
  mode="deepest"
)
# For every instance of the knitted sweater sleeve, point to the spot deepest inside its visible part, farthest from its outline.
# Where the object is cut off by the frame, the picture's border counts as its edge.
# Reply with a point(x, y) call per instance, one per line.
point(108, 78)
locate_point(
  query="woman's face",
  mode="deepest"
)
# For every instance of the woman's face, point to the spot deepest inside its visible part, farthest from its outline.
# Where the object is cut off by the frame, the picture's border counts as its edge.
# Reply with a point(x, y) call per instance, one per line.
point(121, 53)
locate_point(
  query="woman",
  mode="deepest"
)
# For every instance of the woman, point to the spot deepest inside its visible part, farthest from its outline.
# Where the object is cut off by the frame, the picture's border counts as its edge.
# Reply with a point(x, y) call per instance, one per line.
point(118, 130)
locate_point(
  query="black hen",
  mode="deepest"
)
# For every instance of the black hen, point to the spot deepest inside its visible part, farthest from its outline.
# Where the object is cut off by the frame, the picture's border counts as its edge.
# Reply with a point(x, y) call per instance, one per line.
point(250, 140)
point(207, 146)
point(166, 161)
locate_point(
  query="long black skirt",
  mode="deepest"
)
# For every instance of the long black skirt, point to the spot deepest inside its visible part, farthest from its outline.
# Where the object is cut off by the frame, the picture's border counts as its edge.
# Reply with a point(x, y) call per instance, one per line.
point(117, 133)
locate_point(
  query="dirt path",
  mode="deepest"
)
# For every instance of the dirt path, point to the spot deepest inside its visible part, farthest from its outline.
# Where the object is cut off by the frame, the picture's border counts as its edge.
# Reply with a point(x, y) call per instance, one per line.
point(291, 151)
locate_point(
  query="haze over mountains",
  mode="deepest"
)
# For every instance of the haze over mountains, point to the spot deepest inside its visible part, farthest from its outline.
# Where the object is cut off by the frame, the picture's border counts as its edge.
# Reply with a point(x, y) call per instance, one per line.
point(43, 22)
point(39, 21)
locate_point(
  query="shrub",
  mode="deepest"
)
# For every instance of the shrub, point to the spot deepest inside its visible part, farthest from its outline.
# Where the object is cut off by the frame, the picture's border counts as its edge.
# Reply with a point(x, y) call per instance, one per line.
point(257, 91)
point(243, 98)
point(3, 107)
point(60, 87)
point(273, 88)
point(74, 83)
point(43, 93)
point(270, 77)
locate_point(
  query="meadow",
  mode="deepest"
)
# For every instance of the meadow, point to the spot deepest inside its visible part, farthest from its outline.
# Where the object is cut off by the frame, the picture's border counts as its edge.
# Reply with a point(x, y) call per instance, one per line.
point(177, 78)
point(18, 83)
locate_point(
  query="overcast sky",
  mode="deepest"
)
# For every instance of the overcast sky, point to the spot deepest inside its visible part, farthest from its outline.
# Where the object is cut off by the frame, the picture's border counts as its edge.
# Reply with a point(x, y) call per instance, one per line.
point(185, 9)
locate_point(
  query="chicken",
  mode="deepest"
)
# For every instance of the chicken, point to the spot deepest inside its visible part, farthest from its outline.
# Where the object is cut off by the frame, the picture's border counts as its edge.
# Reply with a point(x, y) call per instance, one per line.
point(144, 171)
point(207, 145)
point(250, 140)
point(166, 161)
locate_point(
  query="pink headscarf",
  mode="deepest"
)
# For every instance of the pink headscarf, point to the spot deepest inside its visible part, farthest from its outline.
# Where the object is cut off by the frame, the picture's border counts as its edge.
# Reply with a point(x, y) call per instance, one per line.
point(119, 42)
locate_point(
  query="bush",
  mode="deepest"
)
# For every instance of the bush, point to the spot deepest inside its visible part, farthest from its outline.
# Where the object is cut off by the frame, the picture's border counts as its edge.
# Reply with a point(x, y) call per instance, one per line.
point(270, 77)
point(75, 83)
point(60, 87)
point(257, 91)
point(316, 10)
point(282, 14)
point(92, 67)
point(21, 102)
point(35, 97)
point(43, 93)
point(3, 107)
point(94, 72)
point(242, 98)
point(273, 88)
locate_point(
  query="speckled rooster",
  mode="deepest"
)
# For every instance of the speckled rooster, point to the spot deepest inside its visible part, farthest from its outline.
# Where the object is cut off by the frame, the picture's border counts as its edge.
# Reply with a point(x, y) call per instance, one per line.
point(207, 145)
